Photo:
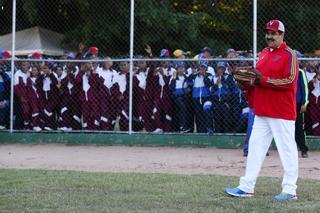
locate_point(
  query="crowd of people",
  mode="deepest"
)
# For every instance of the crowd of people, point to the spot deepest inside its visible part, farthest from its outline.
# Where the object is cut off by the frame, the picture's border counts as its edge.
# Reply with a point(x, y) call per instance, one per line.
point(168, 96)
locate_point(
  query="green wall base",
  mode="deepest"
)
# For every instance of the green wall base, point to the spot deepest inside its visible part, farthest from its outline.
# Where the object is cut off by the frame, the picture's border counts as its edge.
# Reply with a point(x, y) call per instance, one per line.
point(218, 141)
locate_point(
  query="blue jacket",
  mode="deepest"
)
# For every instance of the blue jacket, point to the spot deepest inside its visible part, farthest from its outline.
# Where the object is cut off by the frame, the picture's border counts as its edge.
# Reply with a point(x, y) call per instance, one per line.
point(228, 87)
point(179, 85)
point(200, 85)
point(4, 86)
point(302, 89)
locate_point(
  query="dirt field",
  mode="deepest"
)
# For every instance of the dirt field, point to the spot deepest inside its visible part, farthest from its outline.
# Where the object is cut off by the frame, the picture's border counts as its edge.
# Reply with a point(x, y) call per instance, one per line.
point(145, 160)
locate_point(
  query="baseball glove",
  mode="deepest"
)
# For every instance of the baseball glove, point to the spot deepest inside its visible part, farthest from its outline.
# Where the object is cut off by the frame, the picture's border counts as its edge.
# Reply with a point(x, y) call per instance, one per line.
point(245, 76)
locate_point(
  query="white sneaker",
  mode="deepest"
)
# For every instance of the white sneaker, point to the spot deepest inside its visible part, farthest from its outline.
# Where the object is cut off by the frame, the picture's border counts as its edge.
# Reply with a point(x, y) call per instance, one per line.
point(2, 127)
point(48, 128)
point(158, 130)
point(184, 130)
point(66, 129)
point(37, 129)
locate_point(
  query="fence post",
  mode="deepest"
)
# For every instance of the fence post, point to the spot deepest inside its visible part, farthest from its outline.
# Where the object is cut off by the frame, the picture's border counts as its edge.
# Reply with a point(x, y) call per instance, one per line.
point(254, 32)
point(131, 64)
point(12, 61)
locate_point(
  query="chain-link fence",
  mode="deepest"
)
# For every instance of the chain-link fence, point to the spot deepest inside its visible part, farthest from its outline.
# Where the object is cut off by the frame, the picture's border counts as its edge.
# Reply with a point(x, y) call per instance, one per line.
point(72, 64)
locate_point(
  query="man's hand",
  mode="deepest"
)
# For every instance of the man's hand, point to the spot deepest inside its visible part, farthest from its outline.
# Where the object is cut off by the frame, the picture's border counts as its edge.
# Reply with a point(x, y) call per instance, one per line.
point(258, 76)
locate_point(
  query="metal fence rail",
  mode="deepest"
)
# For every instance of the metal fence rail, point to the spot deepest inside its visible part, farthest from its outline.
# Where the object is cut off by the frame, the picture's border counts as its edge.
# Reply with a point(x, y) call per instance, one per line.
point(138, 66)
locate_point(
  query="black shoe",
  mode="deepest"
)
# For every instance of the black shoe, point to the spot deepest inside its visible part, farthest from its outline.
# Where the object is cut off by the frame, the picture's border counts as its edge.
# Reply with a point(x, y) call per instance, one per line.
point(304, 154)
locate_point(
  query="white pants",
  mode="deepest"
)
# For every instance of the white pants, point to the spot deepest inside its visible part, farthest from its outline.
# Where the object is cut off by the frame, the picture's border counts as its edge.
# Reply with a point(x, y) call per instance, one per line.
point(283, 132)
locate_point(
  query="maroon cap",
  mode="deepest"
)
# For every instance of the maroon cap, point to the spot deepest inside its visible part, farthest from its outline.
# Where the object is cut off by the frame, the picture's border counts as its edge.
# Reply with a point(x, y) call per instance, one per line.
point(275, 25)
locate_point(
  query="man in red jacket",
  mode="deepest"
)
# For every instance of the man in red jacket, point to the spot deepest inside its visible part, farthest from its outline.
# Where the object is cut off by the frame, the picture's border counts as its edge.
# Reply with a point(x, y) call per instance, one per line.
point(275, 113)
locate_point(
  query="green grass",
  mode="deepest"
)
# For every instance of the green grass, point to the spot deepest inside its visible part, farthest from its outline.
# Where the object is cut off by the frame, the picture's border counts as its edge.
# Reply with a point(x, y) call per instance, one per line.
point(65, 191)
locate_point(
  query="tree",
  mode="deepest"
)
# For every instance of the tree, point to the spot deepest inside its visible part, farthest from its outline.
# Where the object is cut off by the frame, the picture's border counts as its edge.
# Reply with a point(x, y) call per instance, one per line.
point(184, 24)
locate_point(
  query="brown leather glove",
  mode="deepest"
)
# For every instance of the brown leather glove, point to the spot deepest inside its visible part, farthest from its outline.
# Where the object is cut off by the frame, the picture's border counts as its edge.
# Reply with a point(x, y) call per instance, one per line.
point(245, 77)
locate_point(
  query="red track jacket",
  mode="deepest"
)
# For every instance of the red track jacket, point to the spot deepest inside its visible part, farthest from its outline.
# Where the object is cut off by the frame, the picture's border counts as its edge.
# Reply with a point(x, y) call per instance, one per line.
point(275, 96)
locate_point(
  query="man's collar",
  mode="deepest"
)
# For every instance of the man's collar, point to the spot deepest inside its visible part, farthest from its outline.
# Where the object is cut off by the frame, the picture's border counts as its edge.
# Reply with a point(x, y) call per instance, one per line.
point(282, 46)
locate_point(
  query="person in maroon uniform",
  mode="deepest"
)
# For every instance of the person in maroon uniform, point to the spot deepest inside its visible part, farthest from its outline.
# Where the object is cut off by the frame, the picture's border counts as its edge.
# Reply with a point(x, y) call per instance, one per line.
point(70, 112)
point(162, 110)
point(139, 94)
point(20, 90)
point(121, 91)
point(151, 84)
point(60, 74)
point(49, 94)
point(89, 95)
point(314, 103)
point(108, 102)
point(34, 99)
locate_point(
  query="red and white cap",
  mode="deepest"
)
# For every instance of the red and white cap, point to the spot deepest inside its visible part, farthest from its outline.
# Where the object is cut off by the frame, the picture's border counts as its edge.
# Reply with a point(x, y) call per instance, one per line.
point(275, 25)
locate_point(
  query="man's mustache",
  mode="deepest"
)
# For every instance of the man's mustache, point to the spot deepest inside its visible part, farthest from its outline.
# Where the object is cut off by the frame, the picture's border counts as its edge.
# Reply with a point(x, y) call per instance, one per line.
point(270, 39)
